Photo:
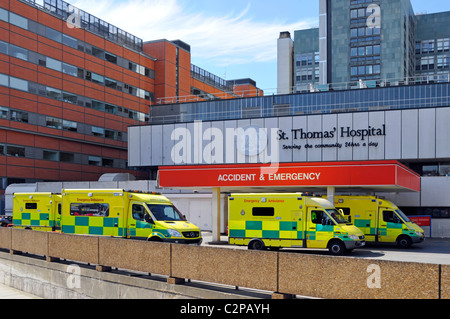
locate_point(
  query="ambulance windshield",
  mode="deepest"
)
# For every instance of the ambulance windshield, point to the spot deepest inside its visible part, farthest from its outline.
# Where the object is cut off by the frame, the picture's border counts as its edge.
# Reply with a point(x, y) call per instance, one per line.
point(337, 216)
point(165, 212)
point(402, 216)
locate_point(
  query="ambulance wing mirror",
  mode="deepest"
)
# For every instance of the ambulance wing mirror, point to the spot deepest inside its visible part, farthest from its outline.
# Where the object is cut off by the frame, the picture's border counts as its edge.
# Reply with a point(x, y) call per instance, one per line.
point(148, 219)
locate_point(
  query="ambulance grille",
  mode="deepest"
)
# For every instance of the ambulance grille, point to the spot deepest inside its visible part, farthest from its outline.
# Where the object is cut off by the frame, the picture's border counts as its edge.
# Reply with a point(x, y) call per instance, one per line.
point(191, 234)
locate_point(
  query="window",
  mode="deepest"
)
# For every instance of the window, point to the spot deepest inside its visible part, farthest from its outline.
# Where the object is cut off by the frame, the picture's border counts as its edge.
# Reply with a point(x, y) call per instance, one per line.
point(30, 205)
point(111, 134)
point(98, 53)
point(427, 63)
point(4, 112)
point(165, 212)
point(4, 80)
point(96, 78)
point(138, 212)
point(111, 83)
point(106, 162)
point(91, 210)
point(54, 64)
point(443, 61)
point(53, 34)
point(66, 157)
point(54, 93)
point(15, 151)
point(97, 105)
point(391, 217)
point(18, 84)
point(317, 216)
point(18, 21)
point(70, 69)
point(110, 57)
point(263, 211)
point(95, 161)
point(70, 98)
point(19, 116)
point(3, 47)
point(98, 131)
point(18, 52)
point(70, 126)
point(53, 122)
point(443, 45)
point(50, 156)
point(427, 46)
point(111, 108)
point(4, 15)
point(69, 41)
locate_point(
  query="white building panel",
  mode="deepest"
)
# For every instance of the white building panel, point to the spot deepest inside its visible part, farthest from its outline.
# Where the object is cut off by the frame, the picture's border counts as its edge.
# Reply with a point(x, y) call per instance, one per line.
point(410, 134)
point(442, 132)
point(427, 133)
point(393, 143)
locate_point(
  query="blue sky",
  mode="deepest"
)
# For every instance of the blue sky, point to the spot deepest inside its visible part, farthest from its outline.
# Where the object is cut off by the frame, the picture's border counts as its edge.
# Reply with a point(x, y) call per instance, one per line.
point(232, 39)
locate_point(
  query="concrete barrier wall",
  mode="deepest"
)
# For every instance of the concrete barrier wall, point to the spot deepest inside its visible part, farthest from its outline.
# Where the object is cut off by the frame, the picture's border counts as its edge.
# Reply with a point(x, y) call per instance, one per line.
point(445, 282)
point(30, 241)
point(5, 237)
point(74, 247)
point(135, 255)
point(253, 269)
point(351, 278)
point(280, 272)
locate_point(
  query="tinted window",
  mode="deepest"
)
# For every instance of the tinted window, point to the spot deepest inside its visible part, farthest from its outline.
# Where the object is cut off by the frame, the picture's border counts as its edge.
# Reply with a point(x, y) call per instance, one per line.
point(263, 211)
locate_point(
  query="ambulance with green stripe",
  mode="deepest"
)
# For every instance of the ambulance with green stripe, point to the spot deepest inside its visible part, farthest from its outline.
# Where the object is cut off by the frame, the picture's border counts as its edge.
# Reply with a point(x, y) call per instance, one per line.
point(275, 221)
point(380, 220)
point(128, 214)
point(37, 211)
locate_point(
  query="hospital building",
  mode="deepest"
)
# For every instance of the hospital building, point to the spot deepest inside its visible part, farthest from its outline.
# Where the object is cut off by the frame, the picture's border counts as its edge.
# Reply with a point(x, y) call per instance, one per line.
point(363, 108)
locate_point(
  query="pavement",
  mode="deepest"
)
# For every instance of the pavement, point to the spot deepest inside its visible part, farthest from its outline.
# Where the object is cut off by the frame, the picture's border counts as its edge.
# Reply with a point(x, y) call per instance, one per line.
point(7, 292)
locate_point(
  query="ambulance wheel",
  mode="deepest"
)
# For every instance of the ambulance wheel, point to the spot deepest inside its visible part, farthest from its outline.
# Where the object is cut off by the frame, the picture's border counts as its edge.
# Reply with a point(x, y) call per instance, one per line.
point(404, 241)
point(256, 244)
point(336, 248)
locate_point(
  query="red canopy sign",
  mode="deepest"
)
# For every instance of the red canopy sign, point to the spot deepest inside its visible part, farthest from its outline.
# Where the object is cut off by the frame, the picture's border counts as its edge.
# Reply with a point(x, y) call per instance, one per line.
point(351, 174)
point(421, 220)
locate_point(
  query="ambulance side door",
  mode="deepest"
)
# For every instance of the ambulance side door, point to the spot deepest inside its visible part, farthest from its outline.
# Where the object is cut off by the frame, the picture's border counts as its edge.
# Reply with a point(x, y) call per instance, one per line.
point(390, 225)
point(317, 230)
point(136, 224)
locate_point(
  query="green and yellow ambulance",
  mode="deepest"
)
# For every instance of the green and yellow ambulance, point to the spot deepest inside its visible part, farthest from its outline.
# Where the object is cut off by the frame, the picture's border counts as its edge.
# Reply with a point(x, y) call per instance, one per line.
point(262, 221)
point(128, 214)
point(380, 220)
point(37, 211)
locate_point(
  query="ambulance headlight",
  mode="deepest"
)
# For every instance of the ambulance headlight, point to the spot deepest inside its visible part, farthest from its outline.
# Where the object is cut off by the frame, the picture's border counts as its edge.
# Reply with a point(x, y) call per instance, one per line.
point(174, 233)
point(354, 237)
point(418, 233)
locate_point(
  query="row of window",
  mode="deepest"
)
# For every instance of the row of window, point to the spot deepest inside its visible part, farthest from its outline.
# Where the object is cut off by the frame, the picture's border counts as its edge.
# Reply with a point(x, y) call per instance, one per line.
point(59, 156)
point(307, 74)
point(60, 124)
point(427, 63)
point(42, 60)
point(36, 88)
point(307, 59)
point(365, 70)
point(432, 46)
point(367, 50)
point(59, 37)
point(89, 22)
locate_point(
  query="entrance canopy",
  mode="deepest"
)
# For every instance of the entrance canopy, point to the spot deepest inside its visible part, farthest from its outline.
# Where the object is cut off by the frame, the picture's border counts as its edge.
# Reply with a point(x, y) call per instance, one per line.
point(381, 176)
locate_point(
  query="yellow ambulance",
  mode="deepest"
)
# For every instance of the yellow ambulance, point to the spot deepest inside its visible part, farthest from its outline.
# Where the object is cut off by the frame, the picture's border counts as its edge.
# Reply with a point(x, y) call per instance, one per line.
point(262, 221)
point(128, 214)
point(37, 211)
point(380, 220)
